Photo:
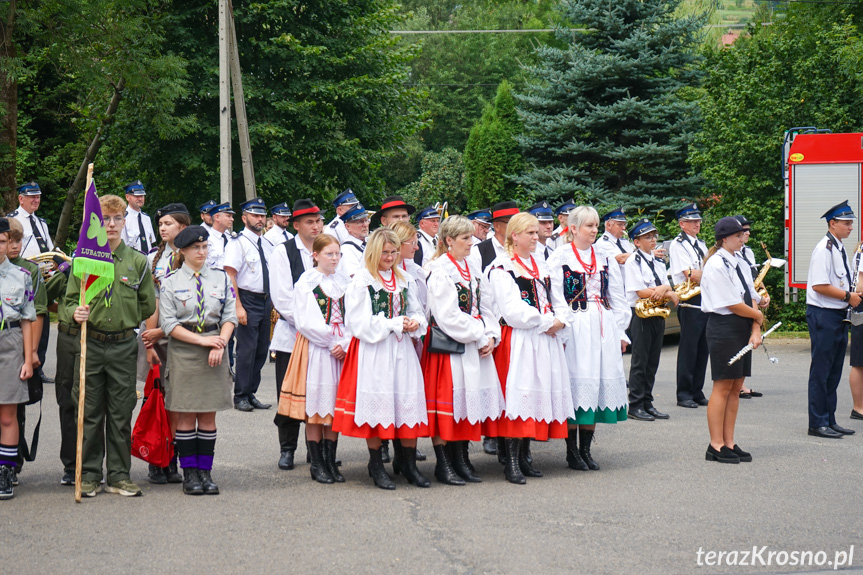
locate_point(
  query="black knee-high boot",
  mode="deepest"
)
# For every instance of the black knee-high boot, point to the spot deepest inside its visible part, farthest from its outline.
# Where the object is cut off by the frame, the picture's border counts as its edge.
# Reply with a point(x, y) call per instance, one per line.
point(377, 471)
point(409, 467)
point(329, 449)
point(573, 457)
point(524, 463)
point(460, 462)
point(585, 436)
point(511, 470)
point(443, 471)
point(501, 450)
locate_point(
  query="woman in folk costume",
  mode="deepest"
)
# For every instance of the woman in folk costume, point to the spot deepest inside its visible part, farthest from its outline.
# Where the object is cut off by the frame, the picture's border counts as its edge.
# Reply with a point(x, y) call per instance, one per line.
point(463, 392)
point(592, 287)
point(381, 393)
point(152, 341)
point(530, 358)
point(198, 310)
point(309, 389)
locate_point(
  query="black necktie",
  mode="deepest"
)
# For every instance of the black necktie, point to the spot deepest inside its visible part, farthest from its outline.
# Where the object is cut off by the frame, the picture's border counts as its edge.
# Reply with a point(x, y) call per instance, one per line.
point(224, 240)
point(37, 233)
point(620, 247)
point(434, 241)
point(747, 297)
point(655, 277)
point(285, 233)
point(145, 247)
point(264, 269)
point(698, 250)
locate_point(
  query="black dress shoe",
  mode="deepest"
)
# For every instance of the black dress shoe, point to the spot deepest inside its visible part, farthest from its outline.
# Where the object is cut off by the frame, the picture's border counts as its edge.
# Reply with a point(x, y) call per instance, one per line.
point(286, 460)
point(745, 395)
point(825, 432)
point(640, 414)
point(843, 430)
point(243, 405)
point(724, 455)
point(687, 403)
point(656, 413)
point(856, 414)
point(257, 404)
point(744, 456)
point(703, 401)
point(754, 393)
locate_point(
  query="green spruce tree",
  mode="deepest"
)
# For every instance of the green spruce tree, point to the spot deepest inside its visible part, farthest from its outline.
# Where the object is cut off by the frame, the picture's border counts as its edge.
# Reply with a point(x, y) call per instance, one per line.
point(491, 155)
point(609, 117)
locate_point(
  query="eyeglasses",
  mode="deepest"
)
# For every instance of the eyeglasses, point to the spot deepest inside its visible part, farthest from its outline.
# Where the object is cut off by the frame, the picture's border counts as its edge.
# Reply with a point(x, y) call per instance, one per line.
point(329, 255)
point(115, 219)
point(412, 243)
point(389, 255)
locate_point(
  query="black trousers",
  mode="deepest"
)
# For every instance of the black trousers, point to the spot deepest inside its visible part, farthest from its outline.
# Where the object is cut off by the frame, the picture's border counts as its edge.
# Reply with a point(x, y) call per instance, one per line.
point(68, 346)
point(828, 334)
point(289, 428)
point(646, 335)
point(253, 343)
point(692, 354)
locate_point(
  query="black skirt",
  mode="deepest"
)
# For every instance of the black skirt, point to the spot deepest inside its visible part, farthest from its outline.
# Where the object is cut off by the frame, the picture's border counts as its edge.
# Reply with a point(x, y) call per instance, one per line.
point(857, 346)
point(727, 335)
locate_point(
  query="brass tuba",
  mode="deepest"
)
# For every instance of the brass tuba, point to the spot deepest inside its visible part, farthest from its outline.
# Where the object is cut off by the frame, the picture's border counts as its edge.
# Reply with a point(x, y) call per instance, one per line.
point(687, 290)
point(646, 307)
point(46, 262)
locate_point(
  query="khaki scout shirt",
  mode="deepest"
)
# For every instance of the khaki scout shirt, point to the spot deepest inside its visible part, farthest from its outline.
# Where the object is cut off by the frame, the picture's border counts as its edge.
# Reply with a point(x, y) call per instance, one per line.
point(179, 298)
point(132, 295)
point(16, 292)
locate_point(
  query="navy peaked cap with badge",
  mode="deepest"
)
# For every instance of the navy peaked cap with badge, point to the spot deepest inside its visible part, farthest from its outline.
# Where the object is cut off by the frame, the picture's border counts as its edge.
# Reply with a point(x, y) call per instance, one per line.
point(618, 214)
point(282, 209)
point(136, 188)
point(565, 208)
point(840, 212)
point(220, 209)
point(480, 215)
point(427, 213)
point(190, 235)
point(641, 227)
point(356, 214)
point(255, 206)
point(542, 211)
point(207, 206)
point(346, 198)
point(689, 212)
point(29, 189)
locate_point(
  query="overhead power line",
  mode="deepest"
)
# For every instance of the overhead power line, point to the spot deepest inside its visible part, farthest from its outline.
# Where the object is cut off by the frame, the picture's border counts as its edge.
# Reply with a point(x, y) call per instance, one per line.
point(538, 30)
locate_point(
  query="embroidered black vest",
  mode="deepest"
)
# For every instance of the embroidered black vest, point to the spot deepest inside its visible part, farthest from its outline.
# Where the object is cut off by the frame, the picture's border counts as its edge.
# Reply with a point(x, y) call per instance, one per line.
point(465, 300)
point(382, 301)
point(527, 288)
point(575, 291)
point(325, 302)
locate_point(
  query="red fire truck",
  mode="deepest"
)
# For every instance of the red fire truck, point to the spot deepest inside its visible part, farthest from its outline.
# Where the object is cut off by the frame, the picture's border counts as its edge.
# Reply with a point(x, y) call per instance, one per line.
point(821, 169)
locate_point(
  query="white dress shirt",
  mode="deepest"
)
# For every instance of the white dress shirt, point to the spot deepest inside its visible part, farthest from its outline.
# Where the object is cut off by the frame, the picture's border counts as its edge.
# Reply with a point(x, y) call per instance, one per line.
point(282, 294)
point(429, 245)
point(278, 235)
point(683, 256)
point(29, 245)
point(242, 254)
point(217, 243)
point(131, 232)
point(637, 275)
point(353, 254)
point(720, 285)
point(476, 258)
point(337, 229)
point(828, 268)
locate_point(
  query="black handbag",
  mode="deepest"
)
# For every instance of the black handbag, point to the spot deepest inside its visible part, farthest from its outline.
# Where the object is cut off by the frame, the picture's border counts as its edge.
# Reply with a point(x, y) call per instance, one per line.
point(439, 342)
point(34, 388)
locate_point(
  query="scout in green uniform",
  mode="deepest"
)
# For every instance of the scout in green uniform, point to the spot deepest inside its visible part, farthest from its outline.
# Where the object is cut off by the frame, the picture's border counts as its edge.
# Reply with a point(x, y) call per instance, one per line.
point(16, 356)
point(40, 301)
point(112, 354)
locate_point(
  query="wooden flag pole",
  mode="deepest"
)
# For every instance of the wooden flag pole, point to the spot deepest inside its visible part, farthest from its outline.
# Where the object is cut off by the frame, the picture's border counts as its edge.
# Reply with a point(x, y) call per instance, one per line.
point(82, 371)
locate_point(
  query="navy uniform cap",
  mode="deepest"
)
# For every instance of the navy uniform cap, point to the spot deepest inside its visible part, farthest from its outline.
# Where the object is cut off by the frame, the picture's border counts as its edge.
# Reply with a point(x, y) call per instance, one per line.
point(840, 212)
point(356, 214)
point(220, 209)
point(483, 216)
point(4, 225)
point(175, 208)
point(565, 208)
point(727, 226)
point(641, 227)
point(744, 221)
point(207, 206)
point(346, 198)
point(136, 188)
point(427, 213)
point(542, 211)
point(255, 206)
point(618, 214)
point(689, 212)
point(282, 209)
point(190, 235)
point(29, 189)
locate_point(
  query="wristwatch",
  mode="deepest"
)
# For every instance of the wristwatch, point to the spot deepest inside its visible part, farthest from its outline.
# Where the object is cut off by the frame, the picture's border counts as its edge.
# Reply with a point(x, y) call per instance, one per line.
point(847, 297)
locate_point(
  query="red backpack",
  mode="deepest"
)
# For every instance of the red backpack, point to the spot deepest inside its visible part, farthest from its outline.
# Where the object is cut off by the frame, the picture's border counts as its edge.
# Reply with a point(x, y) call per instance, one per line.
point(151, 437)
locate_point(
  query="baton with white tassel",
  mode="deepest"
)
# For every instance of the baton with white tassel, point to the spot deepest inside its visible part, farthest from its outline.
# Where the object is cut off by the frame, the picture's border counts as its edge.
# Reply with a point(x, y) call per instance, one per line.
point(750, 347)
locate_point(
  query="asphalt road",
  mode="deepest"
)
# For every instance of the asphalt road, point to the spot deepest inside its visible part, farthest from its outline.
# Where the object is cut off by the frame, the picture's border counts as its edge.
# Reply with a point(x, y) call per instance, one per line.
point(653, 506)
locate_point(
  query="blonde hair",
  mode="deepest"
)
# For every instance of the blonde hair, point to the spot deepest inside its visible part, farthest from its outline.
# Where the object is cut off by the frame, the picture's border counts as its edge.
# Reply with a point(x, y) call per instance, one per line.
point(404, 230)
point(578, 217)
point(112, 204)
point(517, 224)
point(375, 246)
point(322, 241)
point(16, 230)
point(452, 227)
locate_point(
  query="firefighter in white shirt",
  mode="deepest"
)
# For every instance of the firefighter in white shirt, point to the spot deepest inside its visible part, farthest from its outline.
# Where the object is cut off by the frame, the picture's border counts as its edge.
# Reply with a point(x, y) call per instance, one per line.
point(36, 238)
point(281, 219)
point(428, 222)
point(138, 231)
point(343, 203)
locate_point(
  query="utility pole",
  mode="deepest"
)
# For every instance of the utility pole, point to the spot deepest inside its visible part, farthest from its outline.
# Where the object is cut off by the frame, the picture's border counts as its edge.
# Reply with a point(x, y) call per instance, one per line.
point(240, 108)
point(224, 104)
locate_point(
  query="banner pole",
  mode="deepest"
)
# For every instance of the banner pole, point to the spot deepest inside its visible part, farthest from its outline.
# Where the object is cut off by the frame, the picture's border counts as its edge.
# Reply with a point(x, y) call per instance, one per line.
point(82, 371)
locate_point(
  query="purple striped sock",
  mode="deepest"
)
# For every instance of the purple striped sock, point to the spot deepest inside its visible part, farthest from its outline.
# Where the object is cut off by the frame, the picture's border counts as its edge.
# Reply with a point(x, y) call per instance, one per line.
point(206, 448)
point(186, 442)
point(8, 455)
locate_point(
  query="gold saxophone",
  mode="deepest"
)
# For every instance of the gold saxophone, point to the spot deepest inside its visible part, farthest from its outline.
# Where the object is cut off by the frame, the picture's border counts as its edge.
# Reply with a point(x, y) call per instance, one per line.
point(759, 281)
point(687, 289)
point(647, 308)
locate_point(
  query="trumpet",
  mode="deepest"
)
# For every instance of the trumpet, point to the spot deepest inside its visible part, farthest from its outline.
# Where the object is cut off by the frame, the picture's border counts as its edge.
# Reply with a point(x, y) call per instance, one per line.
point(687, 289)
point(46, 263)
point(646, 307)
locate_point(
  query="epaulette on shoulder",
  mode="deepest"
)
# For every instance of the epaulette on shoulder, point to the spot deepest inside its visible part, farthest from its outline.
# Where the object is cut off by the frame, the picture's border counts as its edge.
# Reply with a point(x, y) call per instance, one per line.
point(12, 214)
point(679, 238)
point(334, 224)
point(234, 235)
point(606, 238)
point(555, 235)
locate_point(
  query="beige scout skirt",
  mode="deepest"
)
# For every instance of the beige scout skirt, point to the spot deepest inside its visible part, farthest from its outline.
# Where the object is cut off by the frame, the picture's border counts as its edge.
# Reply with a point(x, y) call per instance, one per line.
point(12, 389)
point(192, 386)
